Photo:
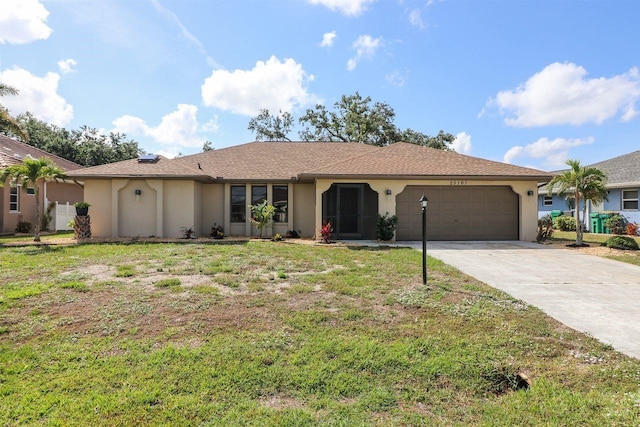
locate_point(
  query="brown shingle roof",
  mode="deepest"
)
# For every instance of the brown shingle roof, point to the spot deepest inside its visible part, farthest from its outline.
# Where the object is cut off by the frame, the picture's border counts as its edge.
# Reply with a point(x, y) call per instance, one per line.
point(410, 160)
point(162, 168)
point(286, 161)
point(13, 152)
point(272, 160)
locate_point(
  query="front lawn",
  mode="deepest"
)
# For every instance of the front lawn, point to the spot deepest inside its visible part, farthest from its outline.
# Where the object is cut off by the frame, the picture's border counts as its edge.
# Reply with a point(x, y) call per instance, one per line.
point(597, 240)
point(265, 333)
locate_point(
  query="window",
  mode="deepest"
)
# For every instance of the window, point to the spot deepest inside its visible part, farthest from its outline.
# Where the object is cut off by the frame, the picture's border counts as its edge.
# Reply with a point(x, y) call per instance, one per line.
point(281, 203)
point(238, 203)
point(14, 199)
point(258, 194)
point(630, 200)
point(31, 191)
point(547, 201)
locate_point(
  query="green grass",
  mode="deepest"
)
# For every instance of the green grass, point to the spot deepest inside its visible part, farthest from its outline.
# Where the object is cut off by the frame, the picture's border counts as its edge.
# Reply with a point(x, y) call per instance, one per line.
point(630, 257)
point(280, 334)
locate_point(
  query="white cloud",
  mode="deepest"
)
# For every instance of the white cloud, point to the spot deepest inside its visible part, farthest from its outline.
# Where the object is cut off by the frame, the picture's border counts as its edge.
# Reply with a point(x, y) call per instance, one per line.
point(179, 128)
point(328, 39)
point(66, 65)
point(365, 47)
point(346, 7)
point(193, 40)
point(561, 94)
point(555, 152)
point(274, 84)
point(23, 21)
point(462, 143)
point(38, 95)
point(415, 18)
point(397, 78)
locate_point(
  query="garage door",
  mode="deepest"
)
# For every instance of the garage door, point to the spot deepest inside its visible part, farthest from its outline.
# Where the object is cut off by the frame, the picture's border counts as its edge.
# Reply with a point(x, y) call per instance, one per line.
point(458, 213)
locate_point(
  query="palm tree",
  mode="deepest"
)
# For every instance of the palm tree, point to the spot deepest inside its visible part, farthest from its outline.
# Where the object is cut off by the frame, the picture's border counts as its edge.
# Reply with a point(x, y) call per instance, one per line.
point(583, 184)
point(28, 173)
point(8, 123)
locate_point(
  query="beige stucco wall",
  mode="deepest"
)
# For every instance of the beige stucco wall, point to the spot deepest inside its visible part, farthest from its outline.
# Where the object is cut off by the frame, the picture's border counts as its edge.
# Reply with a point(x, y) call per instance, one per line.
point(212, 207)
point(304, 209)
point(179, 207)
point(97, 192)
point(387, 203)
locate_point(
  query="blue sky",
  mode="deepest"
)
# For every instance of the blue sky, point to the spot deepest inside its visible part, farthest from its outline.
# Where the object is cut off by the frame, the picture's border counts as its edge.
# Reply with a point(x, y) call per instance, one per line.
point(531, 83)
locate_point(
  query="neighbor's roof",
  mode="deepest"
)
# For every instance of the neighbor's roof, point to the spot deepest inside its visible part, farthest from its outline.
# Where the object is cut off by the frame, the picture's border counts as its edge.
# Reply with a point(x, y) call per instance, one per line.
point(622, 170)
point(13, 152)
point(132, 168)
point(287, 161)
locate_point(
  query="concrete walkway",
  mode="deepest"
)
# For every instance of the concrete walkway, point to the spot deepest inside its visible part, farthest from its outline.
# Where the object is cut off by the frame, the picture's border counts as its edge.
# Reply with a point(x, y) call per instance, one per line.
point(587, 293)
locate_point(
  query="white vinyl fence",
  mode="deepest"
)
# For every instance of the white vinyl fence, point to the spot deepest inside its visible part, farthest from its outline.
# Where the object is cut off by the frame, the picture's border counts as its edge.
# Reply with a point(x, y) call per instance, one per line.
point(62, 214)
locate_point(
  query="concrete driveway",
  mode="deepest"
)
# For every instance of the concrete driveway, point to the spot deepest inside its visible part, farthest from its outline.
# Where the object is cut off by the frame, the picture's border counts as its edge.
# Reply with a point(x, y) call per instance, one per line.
point(587, 293)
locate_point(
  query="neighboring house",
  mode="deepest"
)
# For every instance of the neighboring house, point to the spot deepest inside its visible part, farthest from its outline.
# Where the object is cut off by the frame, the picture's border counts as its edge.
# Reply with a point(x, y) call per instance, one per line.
point(311, 183)
point(623, 185)
point(19, 205)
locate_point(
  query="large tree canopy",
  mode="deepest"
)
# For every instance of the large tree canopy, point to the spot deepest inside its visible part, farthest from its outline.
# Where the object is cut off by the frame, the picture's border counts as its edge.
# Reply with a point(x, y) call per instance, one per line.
point(353, 119)
point(85, 146)
point(8, 124)
point(582, 184)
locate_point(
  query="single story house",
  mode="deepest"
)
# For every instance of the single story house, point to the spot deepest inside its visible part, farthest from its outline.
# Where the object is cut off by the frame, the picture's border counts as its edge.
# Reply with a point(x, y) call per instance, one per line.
point(623, 185)
point(310, 183)
point(17, 204)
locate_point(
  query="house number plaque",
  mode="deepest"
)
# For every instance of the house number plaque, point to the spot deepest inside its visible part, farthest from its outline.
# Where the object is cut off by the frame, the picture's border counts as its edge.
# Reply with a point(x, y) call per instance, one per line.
point(457, 182)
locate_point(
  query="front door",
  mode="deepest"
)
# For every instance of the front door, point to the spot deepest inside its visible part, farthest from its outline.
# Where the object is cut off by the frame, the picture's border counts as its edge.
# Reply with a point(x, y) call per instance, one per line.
point(352, 210)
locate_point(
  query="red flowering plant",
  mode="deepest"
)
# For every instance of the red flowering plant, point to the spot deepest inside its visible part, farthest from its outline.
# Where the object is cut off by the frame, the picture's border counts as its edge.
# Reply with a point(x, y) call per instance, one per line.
point(326, 231)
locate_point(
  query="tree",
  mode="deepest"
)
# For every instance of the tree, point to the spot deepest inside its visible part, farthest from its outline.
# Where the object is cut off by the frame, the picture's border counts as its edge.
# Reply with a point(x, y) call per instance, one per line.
point(583, 184)
point(207, 146)
point(442, 141)
point(354, 119)
point(7, 123)
point(85, 146)
point(268, 127)
point(262, 215)
point(28, 174)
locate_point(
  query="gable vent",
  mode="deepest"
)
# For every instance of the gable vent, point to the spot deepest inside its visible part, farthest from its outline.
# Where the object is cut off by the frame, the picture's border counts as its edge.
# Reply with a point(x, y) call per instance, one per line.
point(148, 158)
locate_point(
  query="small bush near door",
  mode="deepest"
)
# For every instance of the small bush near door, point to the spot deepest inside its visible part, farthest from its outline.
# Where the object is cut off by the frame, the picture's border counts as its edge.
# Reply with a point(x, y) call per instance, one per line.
point(386, 226)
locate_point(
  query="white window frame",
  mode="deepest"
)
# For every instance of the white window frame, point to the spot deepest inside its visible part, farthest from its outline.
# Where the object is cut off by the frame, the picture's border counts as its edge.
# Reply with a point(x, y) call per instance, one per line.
point(16, 196)
point(546, 199)
point(623, 200)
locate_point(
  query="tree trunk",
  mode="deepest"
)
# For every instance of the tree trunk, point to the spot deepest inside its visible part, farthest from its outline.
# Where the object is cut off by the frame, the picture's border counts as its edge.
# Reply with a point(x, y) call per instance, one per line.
point(578, 222)
point(36, 230)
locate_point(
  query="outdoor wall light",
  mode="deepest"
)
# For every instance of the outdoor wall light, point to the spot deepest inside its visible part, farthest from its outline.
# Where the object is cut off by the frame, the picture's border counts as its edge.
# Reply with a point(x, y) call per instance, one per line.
point(138, 192)
point(388, 192)
point(530, 193)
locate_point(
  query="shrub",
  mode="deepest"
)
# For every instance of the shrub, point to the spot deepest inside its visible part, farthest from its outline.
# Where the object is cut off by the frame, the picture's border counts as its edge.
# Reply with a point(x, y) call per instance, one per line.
point(622, 242)
point(616, 223)
point(564, 223)
point(545, 228)
point(326, 231)
point(23, 227)
point(386, 226)
point(632, 229)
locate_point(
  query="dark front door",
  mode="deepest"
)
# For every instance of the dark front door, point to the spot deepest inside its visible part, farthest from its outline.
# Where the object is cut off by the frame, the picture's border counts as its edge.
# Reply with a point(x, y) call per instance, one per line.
point(352, 210)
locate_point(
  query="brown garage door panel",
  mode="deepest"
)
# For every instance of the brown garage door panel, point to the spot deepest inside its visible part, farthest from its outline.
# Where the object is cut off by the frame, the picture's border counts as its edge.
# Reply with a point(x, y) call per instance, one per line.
point(459, 213)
